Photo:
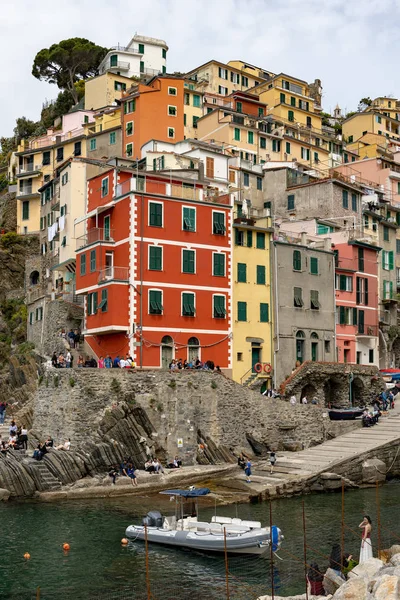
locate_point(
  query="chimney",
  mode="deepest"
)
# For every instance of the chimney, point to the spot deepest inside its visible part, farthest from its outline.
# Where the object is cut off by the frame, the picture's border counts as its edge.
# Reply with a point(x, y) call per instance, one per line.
point(304, 238)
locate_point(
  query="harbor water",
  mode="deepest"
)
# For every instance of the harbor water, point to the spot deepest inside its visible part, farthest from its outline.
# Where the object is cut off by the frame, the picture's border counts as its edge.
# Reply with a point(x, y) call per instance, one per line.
point(98, 566)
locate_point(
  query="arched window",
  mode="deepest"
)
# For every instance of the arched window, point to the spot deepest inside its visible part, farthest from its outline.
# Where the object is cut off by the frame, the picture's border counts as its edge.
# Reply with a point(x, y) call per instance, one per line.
point(167, 351)
point(314, 336)
point(300, 336)
point(167, 340)
point(314, 346)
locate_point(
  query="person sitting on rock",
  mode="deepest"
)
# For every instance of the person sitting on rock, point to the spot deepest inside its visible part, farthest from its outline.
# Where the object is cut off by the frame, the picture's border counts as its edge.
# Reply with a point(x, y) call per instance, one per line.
point(131, 472)
point(54, 360)
point(65, 446)
point(13, 427)
point(113, 472)
point(314, 580)
point(38, 454)
point(157, 466)
point(81, 362)
point(49, 443)
point(12, 440)
point(148, 467)
point(241, 461)
point(61, 361)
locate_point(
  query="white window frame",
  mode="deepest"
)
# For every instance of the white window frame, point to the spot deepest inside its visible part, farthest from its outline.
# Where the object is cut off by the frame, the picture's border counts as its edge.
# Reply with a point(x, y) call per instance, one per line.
point(212, 220)
point(148, 213)
point(168, 136)
point(225, 263)
point(212, 306)
point(195, 218)
point(194, 303)
point(222, 72)
point(223, 93)
point(173, 93)
point(133, 130)
point(108, 186)
point(195, 261)
point(126, 149)
point(148, 301)
point(386, 262)
point(148, 256)
point(176, 110)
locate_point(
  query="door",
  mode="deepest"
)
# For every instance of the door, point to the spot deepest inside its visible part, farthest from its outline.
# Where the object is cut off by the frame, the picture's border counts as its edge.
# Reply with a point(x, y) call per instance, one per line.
point(255, 357)
point(167, 351)
point(109, 270)
point(314, 351)
point(300, 351)
point(193, 349)
point(107, 228)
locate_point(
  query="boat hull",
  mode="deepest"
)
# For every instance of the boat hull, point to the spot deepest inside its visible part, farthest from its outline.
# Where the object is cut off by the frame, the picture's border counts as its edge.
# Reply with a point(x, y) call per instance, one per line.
point(253, 542)
point(344, 415)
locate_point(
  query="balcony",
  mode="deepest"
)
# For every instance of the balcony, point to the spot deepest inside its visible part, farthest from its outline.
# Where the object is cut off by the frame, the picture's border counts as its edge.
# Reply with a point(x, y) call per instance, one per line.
point(367, 331)
point(113, 274)
point(120, 65)
point(95, 236)
point(26, 192)
point(55, 201)
point(29, 171)
point(389, 297)
point(130, 49)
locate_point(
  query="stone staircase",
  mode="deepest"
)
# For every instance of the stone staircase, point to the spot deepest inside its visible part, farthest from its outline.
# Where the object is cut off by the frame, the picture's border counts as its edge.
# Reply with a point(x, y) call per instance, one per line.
point(45, 481)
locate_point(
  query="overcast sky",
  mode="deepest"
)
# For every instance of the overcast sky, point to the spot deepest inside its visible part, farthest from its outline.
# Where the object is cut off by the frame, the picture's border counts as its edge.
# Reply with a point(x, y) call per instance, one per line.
point(353, 46)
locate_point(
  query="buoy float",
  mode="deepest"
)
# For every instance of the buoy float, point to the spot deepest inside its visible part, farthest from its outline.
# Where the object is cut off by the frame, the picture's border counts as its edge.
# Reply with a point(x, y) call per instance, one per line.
point(66, 546)
point(27, 556)
point(124, 541)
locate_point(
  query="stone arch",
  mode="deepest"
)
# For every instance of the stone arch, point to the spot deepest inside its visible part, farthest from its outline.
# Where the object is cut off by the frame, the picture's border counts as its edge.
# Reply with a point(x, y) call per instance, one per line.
point(308, 390)
point(34, 277)
point(396, 351)
point(336, 392)
point(358, 392)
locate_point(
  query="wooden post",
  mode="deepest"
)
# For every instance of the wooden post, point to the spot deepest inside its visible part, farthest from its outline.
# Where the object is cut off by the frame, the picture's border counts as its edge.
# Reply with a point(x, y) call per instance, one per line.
point(305, 550)
point(146, 545)
point(342, 525)
point(271, 551)
point(38, 593)
point(378, 519)
point(226, 566)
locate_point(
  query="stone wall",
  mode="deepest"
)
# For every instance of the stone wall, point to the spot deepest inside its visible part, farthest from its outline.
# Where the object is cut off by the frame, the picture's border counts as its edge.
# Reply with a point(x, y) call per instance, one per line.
point(329, 383)
point(57, 315)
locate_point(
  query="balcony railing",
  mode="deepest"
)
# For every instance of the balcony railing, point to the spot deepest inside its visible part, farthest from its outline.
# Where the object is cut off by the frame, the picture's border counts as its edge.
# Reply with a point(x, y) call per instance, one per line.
point(95, 235)
point(367, 330)
point(114, 273)
point(131, 49)
point(29, 169)
point(120, 64)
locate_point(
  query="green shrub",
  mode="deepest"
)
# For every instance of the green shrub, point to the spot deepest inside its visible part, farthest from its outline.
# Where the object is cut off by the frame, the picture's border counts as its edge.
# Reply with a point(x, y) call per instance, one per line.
point(214, 385)
point(115, 386)
point(71, 381)
point(10, 239)
point(160, 407)
point(172, 383)
point(56, 381)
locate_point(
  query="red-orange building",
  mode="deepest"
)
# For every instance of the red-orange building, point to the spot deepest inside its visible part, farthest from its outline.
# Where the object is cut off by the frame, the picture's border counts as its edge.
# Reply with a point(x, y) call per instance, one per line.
point(152, 111)
point(357, 313)
point(155, 267)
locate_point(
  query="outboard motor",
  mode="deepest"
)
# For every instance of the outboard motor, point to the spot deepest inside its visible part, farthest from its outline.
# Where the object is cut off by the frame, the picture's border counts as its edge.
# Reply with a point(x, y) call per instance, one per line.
point(153, 519)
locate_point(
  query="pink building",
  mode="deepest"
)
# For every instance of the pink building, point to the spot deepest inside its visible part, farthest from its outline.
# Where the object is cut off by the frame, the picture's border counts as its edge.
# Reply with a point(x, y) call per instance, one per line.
point(381, 171)
point(356, 292)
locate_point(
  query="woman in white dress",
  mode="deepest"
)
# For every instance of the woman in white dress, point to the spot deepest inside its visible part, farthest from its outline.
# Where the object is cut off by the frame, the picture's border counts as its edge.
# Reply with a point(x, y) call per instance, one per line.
point(366, 546)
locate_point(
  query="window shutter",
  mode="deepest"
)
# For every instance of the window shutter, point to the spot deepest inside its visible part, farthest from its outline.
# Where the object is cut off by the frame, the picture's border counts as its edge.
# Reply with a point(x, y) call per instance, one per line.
point(391, 289)
point(354, 316)
point(242, 272)
point(297, 260)
point(358, 290)
point(383, 259)
point(264, 312)
point(391, 260)
point(366, 292)
point(249, 239)
point(237, 237)
point(260, 275)
point(342, 317)
point(360, 321)
point(342, 285)
point(242, 311)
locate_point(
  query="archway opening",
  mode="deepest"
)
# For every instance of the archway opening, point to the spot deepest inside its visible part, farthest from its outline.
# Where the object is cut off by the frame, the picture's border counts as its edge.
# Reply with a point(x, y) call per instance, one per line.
point(309, 391)
point(300, 342)
point(336, 392)
point(34, 278)
point(358, 392)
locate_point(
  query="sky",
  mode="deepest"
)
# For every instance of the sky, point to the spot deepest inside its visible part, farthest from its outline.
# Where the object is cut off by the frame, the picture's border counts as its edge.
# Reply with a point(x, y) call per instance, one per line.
point(353, 46)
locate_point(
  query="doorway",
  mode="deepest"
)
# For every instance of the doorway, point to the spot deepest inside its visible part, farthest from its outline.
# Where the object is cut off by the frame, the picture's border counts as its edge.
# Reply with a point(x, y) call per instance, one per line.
point(167, 351)
point(107, 228)
point(300, 336)
point(255, 356)
point(193, 349)
point(109, 271)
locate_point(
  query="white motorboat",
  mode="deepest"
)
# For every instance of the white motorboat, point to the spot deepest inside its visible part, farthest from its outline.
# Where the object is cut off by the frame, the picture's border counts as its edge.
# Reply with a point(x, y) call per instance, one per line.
point(236, 535)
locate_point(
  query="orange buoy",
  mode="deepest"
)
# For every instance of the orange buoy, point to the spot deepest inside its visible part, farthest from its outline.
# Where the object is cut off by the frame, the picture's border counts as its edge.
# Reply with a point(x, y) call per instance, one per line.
point(124, 541)
point(66, 546)
point(27, 556)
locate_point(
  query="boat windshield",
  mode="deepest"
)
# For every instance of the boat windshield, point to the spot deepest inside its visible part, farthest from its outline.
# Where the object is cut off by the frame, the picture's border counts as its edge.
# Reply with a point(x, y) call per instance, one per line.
point(187, 493)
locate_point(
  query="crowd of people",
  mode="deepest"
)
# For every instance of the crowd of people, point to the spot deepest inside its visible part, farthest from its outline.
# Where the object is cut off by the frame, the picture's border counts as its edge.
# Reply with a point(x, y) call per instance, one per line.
point(17, 438)
point(73, 337)
point(381, 403)
point(180, 364)
point(43, 448)
point(153, 466)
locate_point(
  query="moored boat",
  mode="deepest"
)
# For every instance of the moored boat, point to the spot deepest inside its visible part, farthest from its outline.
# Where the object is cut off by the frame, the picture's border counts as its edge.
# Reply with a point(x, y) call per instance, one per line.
point(184, 531)
point(345, 414)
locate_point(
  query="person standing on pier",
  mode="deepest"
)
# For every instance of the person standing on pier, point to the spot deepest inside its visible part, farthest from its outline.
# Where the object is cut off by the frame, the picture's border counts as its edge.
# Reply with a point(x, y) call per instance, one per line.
point(366, 546)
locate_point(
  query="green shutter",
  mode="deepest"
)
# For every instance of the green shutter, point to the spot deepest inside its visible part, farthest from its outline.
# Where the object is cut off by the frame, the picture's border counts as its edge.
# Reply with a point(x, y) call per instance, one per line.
point(360, 321)
point(342, 315)
point(242, 311)
point(83, 264)
point(391, 290)
point(104, 300)
point(391, 260)
point(260, 274)
point(94, 302)
point(250, 137)
point(249, 239)
point(219, 223)
point(189, 219)
point(155, 214)
point(219, 264)
point(188, 309)
point(188, 261)
point(287, 147)
point(345, 199)
point(219, 311)
point(242, 272)
point(237, 134)
point(155, 258)
point(314, 265)
point(155, 302)
point(282, 97)
point(260, 242)
point(264, 312)
point(92, 261)
point(354, 316)
point(296, 260)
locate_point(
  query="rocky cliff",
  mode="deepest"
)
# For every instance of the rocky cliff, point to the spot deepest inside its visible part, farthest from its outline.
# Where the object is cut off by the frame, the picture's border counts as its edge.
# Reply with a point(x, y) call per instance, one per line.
point(110, 414)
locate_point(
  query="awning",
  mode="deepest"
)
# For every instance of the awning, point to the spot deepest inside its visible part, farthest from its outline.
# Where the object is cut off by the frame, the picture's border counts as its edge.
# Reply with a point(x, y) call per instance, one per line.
point(94, 212)
point(69, 261)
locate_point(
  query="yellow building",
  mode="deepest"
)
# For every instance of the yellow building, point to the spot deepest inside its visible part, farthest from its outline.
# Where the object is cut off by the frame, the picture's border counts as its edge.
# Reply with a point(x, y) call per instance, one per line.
point(104, 90)
point(389, 107)
point(193, 109)
point(219, 78)
point(371, 121)
point(37, 160)
point(251, 70)
point(252, 309)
